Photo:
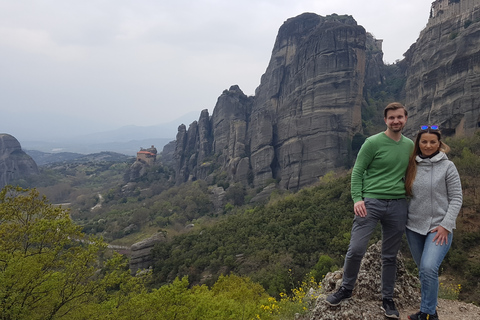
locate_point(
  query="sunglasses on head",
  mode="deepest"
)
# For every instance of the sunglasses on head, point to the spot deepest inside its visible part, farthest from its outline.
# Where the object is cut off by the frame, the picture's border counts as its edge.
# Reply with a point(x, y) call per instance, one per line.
point(431, 127)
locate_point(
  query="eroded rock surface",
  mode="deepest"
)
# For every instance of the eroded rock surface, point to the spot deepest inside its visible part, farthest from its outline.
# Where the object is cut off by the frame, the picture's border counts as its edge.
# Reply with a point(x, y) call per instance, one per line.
point(141, 252)
point(15, 164)
point(300, 122)
point(443, 70)
point(367, 299)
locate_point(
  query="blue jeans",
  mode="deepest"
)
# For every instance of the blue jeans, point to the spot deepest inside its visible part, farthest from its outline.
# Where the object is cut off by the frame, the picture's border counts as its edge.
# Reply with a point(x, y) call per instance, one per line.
point(428, 257)
point(392, 215)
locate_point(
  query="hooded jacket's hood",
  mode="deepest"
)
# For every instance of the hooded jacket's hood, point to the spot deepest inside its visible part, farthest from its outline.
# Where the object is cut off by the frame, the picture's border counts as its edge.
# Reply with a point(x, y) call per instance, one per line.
point(436, 158)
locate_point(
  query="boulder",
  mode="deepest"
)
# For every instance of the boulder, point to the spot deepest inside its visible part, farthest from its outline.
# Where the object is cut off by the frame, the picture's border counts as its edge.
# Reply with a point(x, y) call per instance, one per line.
point(135, 171)
point(141, 253)
point(264, 195)
point(217, 196)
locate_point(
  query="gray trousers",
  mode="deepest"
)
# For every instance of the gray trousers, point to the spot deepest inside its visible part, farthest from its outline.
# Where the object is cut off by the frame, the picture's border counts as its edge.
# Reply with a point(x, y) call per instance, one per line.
point(392, 215)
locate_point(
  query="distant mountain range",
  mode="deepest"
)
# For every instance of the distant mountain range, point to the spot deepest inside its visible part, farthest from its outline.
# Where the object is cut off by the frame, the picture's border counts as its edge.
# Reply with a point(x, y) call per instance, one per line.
point(45, 158)
point(125, 140)
point(126, 147)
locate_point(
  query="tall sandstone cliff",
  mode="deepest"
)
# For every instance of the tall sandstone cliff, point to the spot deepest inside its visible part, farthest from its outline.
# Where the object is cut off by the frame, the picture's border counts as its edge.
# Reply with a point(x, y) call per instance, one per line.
point(307, 108)
point(300, 122)
point(14, 162)
point(443, 70)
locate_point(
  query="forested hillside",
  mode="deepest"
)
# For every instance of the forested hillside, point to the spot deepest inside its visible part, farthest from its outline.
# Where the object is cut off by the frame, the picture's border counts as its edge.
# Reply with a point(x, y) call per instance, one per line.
point(279, 243)
point(49, 269)
point(246, 258)
point(276, 244)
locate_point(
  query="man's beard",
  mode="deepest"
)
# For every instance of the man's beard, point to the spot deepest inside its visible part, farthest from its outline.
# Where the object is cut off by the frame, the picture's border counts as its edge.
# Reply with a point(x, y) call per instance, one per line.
point(397, 130)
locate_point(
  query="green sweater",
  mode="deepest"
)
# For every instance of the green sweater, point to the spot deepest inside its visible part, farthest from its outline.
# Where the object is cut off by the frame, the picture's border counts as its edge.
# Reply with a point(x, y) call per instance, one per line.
point(380, 168)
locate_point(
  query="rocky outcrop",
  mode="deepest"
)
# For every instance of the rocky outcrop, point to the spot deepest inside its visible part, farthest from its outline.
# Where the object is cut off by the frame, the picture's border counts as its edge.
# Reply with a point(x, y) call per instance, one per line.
point(307, 106)
point(221, 137)
point(136, 170)
point(217, 196)
point(145, 159)
point(15, 164)
point(168, 153)
point(300, 122)
point(443, 81)
point(141, 253)
point(367, 298)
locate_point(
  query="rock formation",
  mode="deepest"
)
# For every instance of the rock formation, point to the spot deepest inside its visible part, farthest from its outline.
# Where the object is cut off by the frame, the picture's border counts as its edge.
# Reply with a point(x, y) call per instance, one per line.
point(367, 298)
point(141, 253)
point(443, 70)
point(307, 106)
point(300, 122)
point(15, 164)
point(167, 154)
point(307, 109)
point(145, 159)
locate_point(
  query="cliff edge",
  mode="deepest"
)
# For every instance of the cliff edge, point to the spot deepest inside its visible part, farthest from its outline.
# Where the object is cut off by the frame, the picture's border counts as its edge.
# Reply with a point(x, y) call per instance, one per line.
point(14, 162)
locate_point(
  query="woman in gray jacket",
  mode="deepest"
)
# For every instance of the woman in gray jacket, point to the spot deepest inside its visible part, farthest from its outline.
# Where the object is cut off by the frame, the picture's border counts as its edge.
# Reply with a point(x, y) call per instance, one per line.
point(434, 185)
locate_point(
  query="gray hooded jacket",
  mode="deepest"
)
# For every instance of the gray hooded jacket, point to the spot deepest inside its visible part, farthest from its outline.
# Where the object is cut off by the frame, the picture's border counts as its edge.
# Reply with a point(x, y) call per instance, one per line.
point(437, 195)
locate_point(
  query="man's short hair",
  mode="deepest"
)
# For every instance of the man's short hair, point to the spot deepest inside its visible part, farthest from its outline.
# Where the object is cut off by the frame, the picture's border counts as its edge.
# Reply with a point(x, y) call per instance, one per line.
point(394, 106)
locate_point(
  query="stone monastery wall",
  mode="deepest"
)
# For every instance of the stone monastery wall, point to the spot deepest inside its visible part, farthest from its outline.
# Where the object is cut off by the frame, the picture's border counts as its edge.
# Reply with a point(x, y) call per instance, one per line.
point(445, 9)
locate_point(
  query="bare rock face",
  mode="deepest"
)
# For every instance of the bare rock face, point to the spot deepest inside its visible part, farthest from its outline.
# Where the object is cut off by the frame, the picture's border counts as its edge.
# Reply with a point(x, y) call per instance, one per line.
point(307, 109)
point(308, 104)
point(136, 170)
point(168, 154)
point(14, 162)
point(217, 196)
point(300, 123)
point(367, 298)
point(141, 253)
point(443, 81)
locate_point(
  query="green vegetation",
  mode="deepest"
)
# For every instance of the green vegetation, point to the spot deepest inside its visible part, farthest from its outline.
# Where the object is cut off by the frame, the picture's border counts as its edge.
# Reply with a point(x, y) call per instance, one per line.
point(463, 260)
point(277, 245)
point(265, 242)
point(453, 35)
point(449, 291)
point(308, 232)
point(50, 270)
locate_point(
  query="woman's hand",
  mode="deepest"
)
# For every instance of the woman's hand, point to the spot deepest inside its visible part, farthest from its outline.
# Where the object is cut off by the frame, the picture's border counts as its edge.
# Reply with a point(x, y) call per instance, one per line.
point(441, 236)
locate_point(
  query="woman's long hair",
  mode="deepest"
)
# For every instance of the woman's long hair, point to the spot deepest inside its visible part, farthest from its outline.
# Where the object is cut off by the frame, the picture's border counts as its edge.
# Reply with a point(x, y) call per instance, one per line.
point(412, 163)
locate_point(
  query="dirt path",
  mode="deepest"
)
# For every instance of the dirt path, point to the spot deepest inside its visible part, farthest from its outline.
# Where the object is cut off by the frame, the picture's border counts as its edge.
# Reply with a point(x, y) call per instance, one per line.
point(451, 310)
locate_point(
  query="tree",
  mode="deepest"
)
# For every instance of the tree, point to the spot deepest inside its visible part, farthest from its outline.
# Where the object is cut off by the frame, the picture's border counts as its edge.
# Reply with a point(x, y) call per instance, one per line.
point(48, 268)
point(468, 166)
point(324, 265)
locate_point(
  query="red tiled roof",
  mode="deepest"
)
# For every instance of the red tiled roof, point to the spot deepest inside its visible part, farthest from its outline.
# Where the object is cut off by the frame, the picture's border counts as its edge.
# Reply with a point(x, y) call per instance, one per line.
point(146, 152)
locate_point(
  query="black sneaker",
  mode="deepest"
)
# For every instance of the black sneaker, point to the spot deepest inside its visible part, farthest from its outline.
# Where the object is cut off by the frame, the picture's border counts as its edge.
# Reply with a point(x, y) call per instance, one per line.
point(389, 307)
point(336, 298)
point(426, 316)
point(414, 316)
point(423, 316)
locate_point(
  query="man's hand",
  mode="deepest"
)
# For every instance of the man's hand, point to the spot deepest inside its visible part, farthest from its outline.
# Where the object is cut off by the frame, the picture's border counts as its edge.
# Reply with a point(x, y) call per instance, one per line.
point(359, 208)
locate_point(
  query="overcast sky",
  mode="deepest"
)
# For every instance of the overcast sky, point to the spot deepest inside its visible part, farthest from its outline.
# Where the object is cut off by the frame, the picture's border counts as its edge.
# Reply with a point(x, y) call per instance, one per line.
point(64, 63)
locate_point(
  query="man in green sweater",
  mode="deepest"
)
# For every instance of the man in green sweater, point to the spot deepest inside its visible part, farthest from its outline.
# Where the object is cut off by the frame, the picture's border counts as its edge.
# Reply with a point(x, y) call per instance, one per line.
point(378, 193)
